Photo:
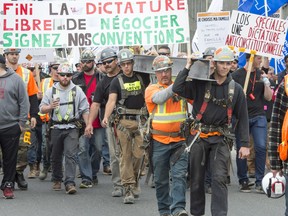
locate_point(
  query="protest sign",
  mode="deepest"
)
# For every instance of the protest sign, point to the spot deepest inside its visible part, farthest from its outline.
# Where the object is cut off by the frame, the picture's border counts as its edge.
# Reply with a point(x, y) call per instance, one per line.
point(265, 35)
point(93, 23)
point(213, 28)
point(36, 55)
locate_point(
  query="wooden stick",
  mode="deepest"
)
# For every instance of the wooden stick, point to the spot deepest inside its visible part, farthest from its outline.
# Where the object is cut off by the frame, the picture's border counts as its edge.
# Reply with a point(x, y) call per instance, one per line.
point(249, 71)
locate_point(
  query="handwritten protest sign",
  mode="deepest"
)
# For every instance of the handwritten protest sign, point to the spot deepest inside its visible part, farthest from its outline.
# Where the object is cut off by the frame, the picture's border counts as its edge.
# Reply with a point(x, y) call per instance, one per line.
point(213, 28)
point(265, 35)
point(93, 23)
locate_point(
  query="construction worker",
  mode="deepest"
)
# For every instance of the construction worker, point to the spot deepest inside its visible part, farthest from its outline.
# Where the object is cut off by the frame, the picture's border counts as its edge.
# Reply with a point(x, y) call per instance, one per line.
point(12, 57)
point(167, 112)
point(108, 59)
point(89, 161)
point(67, 104)
point(45, 85)
point(127, 94)
point(215, 100)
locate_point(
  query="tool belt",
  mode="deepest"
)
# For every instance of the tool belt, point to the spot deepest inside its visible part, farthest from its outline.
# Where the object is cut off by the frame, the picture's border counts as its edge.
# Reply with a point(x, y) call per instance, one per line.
point(72, 121)
point(128, 117)
point(209, 128)
point(168, 134)
point(124, 111)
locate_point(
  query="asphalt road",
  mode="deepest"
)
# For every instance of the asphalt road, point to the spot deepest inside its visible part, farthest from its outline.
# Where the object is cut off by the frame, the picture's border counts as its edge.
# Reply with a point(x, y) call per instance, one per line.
point(41, 200)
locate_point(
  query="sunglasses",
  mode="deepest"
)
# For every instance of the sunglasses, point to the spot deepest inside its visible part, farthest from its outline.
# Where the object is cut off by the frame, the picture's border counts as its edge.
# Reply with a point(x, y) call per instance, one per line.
point(164, 54)
point(86, 61)
point(65, 74)
point(55, 67)
point(166, 71)
point(108, 62)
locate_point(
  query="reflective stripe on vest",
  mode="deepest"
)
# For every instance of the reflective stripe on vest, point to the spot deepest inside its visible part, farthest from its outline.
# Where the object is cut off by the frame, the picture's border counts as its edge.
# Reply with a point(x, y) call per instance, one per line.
point(161, 115)
point(70, 107)
point(46, 84)
point(25, 75)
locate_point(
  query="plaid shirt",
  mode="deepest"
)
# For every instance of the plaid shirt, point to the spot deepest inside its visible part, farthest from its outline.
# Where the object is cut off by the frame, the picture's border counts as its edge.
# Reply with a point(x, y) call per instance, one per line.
point(275, 134)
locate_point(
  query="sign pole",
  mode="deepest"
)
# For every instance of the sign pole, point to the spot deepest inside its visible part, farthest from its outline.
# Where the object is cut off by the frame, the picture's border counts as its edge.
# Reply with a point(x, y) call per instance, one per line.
point(251, 59)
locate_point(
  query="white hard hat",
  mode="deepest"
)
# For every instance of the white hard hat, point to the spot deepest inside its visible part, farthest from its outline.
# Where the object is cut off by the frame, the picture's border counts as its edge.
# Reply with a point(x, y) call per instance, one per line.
point(274, 187)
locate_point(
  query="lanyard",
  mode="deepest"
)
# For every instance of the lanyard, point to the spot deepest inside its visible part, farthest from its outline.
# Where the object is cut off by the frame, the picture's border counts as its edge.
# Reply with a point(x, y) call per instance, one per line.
point(253, 82)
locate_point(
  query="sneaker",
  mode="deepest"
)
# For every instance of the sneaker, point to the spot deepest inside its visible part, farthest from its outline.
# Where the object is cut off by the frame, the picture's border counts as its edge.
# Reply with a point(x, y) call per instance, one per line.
point(70, 189)
point(107, 170)
point(85, 184)
point(250, 183)
point(95, 180)
point(181, 213)
point(8, 192)
point(43, 174)
point(117, 192)
point(259, 189)
point(57, 186)
point(244, 187)
point(129, 197)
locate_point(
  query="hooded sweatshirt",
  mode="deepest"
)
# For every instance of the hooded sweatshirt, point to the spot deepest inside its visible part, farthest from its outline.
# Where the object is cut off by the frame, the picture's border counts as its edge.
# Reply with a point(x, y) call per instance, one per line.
point(214, 114)
point(14, 102)
point(81, 104)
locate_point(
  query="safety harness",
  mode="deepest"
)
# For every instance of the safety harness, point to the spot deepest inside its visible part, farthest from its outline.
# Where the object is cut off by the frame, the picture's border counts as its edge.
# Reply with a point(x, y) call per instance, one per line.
point(197, 126)
point(121, 109)
point(71, 106)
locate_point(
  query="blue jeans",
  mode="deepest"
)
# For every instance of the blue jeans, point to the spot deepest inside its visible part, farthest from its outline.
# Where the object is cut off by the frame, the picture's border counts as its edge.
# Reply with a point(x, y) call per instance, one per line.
point(258, 129)
point(32, 148)
point(105, 152)
point(170, 200)
point(89, 163)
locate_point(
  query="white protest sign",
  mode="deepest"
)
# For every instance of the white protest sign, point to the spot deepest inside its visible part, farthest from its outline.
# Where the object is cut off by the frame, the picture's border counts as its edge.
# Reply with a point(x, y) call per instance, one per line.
point(36, 55)
point(265, 35)
point(212, 28)
point(43, 24)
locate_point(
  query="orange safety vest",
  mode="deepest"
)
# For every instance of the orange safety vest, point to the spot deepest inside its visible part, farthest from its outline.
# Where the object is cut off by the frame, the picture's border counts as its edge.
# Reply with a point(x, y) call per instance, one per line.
point(283, 146)
point(45, 84)
point(28, 80)
point(167, 117)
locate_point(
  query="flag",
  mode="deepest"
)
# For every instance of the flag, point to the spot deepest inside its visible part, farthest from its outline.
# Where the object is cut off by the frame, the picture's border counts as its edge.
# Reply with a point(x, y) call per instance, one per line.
point(259, 7)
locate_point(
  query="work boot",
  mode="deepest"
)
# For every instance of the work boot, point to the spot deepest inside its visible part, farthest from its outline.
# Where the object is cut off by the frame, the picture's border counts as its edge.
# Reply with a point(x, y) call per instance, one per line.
point(37, 169)
point(32, 173)
point(21, 182)
point(43, 174)
point(129, 196)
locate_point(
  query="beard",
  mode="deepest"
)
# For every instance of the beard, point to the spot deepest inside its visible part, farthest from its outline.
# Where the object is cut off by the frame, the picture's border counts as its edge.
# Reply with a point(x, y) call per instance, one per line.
point(64, 82)
point(85, 68)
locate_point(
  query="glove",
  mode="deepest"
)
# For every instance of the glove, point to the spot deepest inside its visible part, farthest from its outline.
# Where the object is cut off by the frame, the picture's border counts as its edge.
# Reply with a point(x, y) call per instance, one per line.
point(266, 81)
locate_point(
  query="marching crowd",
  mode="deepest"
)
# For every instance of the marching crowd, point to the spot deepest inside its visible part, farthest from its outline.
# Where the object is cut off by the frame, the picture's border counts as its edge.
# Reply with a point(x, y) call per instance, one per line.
point(108, 110)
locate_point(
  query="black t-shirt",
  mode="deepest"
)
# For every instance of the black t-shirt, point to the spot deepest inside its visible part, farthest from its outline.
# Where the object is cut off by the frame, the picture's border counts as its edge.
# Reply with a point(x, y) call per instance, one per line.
point(130, 84)
point(256, 106)
point(101, 93)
